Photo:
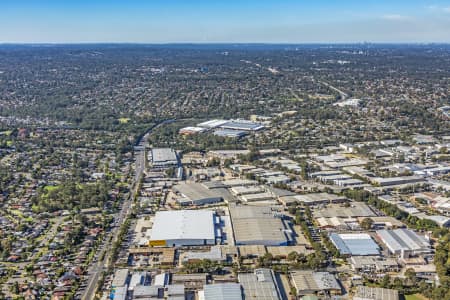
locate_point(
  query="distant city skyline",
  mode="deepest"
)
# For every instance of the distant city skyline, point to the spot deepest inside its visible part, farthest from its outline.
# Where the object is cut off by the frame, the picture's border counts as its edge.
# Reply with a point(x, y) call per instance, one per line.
point(245, 21)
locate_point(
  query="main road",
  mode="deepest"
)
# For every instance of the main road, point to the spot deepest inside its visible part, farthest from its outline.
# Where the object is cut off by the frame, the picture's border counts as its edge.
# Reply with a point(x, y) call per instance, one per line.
point(102, 259)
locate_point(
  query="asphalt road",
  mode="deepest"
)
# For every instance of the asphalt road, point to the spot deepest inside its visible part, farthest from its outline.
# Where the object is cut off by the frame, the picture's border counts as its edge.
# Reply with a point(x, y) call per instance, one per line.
point(96, 269)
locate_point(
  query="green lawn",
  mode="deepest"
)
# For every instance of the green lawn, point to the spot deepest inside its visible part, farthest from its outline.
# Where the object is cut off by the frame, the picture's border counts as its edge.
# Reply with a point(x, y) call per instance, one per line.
point(7, 132)
point(415, 297)
point(49, 188)
point(16, 212)
point(124, 120)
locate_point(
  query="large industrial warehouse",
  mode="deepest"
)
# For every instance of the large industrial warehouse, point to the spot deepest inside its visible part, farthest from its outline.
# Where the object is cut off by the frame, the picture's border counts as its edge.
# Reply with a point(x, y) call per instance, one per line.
point(163, 157)
point(310, 282)
point(258, 225)
point(183, 228)
point(242, 125)
point(355, 244)
point(193, 193)
point(404, 242)
point(232, 124)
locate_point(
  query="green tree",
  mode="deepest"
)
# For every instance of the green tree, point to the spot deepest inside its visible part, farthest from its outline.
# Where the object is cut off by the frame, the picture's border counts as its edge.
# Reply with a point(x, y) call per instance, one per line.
point(367, 223)
point(410, 274)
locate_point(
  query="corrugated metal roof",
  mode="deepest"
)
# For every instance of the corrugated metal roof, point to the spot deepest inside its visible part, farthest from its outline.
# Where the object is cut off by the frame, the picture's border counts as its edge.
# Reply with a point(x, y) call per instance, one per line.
point(183, 224)
point(403, 239)
point(259, 285)
point(223, 291)
point(355, 244)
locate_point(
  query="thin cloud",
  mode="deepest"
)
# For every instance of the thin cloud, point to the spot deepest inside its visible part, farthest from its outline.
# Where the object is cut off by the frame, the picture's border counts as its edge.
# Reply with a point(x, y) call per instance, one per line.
point(395, 17)
point(438, 9)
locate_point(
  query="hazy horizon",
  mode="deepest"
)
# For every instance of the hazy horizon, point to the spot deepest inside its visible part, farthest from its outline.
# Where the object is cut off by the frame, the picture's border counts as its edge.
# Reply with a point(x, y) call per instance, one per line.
point(231, 22)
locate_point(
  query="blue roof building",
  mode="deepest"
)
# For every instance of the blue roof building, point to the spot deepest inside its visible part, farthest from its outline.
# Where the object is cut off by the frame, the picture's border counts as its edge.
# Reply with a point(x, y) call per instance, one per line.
point(355, 244)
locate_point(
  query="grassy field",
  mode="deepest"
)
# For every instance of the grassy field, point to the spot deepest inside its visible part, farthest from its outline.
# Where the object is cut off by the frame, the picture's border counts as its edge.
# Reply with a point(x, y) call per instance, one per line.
point(49, 188)
point(16, 212)
point(415, 297)
point(7, 132)
point(124, 120)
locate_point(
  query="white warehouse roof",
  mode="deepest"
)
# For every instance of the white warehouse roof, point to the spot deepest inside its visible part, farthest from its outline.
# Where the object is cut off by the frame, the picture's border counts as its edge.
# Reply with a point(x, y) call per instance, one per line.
point(404, 240)
point(183, 225)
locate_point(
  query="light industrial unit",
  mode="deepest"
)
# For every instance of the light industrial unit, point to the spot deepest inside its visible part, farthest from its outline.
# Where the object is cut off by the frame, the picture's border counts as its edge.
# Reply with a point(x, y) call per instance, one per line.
point(184, 228)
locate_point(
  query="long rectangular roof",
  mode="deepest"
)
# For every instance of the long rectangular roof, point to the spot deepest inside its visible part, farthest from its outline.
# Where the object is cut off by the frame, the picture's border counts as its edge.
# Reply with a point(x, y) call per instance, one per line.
point(195, 191)
point(256, 224)
point(230, 133)
point(242, 125)
point(314, 281)
point(375, 293)
point(212, 123)
point(183, 224)
point(355, 244)
point(403, 239)
point(163, 155)
point(259, 285)
point(223, 291)
point(356, 209)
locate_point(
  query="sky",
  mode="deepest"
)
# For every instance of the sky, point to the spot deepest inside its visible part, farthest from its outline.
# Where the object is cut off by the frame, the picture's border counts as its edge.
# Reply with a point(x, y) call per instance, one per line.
point(226, 21)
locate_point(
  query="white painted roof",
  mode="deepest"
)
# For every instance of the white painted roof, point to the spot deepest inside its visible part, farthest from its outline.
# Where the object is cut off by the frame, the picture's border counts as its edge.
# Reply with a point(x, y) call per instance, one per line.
point(183, 224)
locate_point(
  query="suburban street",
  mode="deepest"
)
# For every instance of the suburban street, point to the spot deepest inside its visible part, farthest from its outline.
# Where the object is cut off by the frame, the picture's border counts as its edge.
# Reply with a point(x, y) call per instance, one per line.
point(100, 265)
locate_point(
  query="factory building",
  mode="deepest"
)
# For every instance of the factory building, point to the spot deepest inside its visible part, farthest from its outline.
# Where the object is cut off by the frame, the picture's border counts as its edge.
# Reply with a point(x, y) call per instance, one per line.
point(404, 242)
point(214, 254)
point(230, 133)
point(138, 279)
point(162, 157)
point(242, 125)
point(260, 285)
point(146, 292)
point(247, 190)
point(120, 278)
point(239, 182)
point(265, 196)
point(196, 194)
point(310, 282)
point(212, 123)
point(373, 264)
point(356, 209)
point(355, 244)
point(183, 228)
point(259, 225)
point(222, 291)
point(375, 293)
point(191, 130)
point(120, 293)
point(397, 180)
point(315, 199)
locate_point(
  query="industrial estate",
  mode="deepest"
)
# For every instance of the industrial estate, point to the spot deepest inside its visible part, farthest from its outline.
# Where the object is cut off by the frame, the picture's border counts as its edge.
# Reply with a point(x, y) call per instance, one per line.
point(231, 224)
point(225, 172)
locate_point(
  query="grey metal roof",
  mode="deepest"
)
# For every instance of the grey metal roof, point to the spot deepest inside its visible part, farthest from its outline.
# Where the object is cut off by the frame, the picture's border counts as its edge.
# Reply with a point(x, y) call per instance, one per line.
point(145, 291)
point(259, 285)
point(371, 293)
point(175, 289)
point(164, 155)
point(403, 239)
point(240, 125)
point(257, 225)
point(314, 281)
point(196, 191)
point(230, 133)
point(223, 291)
